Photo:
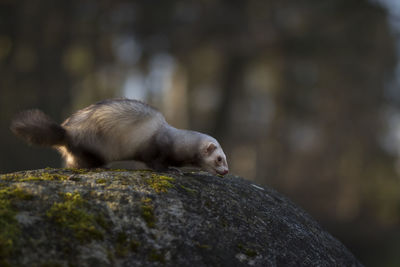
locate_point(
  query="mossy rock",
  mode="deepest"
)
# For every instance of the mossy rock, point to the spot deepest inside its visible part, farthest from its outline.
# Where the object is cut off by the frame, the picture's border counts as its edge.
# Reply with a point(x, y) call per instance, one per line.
point(75, 217)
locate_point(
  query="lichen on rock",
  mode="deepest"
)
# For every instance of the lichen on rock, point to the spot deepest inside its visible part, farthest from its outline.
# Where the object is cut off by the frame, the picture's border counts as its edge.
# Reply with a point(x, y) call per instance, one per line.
point(72, 213)
point(103, 217)
point(9, 228)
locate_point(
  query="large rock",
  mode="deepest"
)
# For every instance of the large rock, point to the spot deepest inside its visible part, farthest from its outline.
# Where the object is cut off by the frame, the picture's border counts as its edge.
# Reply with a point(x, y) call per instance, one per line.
point(70, 217)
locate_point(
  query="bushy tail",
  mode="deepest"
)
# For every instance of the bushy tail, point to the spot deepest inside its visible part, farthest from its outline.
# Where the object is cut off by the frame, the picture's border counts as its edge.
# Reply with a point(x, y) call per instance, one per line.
point(37, 128)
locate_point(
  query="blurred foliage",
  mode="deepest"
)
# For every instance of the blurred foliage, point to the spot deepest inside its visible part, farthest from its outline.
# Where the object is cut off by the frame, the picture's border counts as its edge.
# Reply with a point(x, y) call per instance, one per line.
point(294, 90)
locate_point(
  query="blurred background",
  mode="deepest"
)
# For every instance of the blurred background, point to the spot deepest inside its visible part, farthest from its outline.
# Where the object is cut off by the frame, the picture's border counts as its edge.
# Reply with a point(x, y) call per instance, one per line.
point(304, 96)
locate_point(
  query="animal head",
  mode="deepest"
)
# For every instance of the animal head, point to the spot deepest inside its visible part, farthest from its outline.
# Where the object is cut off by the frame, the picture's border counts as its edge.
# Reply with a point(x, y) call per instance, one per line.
point(213, 158)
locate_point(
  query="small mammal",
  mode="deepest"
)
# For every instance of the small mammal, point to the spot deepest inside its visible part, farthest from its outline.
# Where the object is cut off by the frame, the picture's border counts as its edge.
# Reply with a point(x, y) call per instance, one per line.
point(121, 129)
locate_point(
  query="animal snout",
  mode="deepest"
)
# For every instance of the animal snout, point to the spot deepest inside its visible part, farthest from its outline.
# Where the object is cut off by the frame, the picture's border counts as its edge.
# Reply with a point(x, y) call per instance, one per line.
point(224, 171)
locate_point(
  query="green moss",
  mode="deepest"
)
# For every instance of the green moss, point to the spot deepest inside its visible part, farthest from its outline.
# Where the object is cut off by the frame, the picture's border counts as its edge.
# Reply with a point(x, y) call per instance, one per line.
point(72, 214)
point(189, 190)
point(160, 183)
point(203, 246)
point(101, 181)
point(247, 251)
point(76, 170)
point(31, 178)
point(10, 177)
point(9, 228)
point(54, 176)
point(45, 177)
point(74, 178)
point(124, 245)
point(134, 245)
point(208, 204)
point(147, 212)
point(100, 220)
point(250, 252)
point(224, 222)
point(158, 256)
point(14, 193)
point(121, 248)
point(144, 171)
point(110, 256)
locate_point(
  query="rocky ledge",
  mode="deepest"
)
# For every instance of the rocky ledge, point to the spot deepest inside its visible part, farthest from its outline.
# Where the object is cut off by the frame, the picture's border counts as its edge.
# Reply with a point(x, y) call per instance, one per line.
point(76, 217)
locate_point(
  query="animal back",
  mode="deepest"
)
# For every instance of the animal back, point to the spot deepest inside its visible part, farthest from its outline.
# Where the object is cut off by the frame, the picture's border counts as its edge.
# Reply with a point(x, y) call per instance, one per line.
point(116, 128)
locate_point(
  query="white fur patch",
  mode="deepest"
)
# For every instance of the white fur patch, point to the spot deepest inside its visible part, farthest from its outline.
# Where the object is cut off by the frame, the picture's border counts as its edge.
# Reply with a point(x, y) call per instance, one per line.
point(115, 130)
point(69, 158)
point(125, 139)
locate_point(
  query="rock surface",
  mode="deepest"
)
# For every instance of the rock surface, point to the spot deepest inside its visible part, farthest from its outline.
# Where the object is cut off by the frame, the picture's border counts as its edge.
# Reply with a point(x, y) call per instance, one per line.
point(72, 217)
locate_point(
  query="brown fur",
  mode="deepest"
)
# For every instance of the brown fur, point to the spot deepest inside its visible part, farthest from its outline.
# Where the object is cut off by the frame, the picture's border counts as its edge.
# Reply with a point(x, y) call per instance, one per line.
point(37, 128)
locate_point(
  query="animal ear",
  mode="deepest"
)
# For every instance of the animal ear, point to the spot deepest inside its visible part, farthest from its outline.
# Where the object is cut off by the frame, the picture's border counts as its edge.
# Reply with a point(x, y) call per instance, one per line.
point(210, 148)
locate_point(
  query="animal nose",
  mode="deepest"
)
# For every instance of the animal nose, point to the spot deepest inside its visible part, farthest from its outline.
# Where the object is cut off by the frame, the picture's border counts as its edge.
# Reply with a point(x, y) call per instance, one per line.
point(224, 172)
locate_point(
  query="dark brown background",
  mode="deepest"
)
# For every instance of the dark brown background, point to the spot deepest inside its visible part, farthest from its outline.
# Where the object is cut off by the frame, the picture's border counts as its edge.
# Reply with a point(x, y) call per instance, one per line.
point(301, 94)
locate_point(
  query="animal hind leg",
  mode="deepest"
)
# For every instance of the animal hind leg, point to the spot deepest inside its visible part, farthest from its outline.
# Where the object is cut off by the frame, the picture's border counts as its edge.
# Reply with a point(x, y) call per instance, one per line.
point(83, 158)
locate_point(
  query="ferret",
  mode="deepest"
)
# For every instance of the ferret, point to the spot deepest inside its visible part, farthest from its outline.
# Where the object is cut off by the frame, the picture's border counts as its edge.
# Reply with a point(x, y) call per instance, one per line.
point(121, 129)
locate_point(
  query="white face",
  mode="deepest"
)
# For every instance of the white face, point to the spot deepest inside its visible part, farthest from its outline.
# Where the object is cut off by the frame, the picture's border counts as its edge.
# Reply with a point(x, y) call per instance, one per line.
point(214, 159)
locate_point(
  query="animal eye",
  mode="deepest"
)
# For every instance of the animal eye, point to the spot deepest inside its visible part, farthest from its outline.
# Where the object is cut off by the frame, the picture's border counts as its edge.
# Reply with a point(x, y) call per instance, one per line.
point(219, 159)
